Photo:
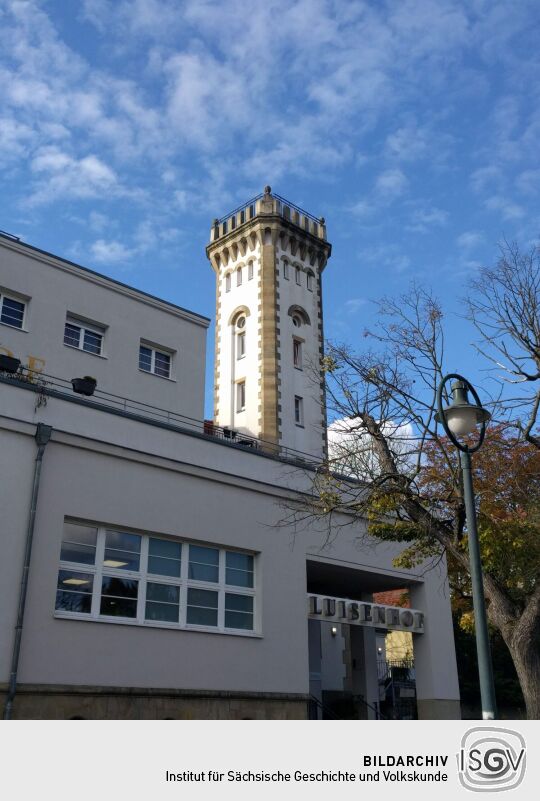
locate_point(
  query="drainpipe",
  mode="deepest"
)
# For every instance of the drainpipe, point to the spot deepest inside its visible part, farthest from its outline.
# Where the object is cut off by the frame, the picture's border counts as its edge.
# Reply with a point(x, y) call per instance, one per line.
point(43, 435)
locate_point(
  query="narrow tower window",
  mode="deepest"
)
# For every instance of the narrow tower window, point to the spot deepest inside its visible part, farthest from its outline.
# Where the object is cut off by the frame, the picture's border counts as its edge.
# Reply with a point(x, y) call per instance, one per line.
point(286, 270)
point(310, 281)
point(239, 277)
point(240, 396)
point(241, 345)
point(228, 282)
point(250, 270)
point(297, 354)
point(297, 275)
point(298, 410)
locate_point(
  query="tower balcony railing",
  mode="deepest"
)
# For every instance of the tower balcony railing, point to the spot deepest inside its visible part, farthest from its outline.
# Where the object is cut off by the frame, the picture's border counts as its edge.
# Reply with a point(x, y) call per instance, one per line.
point(46, 385)
point(280, 205)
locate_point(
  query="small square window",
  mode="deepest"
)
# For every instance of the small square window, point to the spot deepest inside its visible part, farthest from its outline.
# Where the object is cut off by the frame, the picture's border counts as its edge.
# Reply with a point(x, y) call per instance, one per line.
point(238, 611)
point(154, 361)
point(239, 569)
point(203, 563)
point(240, 396)
point(78, 334)
point(202, 607)
point(298, 410)
point(12, 311)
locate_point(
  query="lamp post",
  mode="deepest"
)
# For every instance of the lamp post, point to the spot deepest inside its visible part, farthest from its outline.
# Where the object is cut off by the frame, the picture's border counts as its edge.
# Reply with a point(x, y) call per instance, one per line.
point(458, 419)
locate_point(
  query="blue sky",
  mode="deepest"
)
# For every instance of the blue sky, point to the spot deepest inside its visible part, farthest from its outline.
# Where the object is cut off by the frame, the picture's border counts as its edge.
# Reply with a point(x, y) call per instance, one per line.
point(413, 126)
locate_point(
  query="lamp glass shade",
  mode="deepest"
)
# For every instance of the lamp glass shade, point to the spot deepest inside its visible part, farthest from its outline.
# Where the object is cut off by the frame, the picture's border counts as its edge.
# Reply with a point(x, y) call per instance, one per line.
point(462, 420)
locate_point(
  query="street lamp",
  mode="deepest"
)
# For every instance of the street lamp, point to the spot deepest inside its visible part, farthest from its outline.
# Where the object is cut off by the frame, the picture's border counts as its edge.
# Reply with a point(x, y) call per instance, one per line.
point(459, 419)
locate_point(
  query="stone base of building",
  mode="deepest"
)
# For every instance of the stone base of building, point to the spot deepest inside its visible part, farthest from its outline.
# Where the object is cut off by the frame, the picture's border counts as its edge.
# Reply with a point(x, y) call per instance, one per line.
point(53, 702)
point(438, 709)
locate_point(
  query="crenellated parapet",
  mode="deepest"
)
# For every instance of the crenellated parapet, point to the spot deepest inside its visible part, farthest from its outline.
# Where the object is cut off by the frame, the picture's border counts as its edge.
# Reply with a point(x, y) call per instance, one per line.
point(268, 219)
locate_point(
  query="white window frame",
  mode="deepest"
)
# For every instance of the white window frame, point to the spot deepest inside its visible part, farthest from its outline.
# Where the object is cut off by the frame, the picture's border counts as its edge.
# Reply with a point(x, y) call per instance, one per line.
point(98, 570)
point(241, 396)
point(83, 326)
point(298, 353)
point(240, 344)
point(299, 405)
point(17, 299)
point(162, 352)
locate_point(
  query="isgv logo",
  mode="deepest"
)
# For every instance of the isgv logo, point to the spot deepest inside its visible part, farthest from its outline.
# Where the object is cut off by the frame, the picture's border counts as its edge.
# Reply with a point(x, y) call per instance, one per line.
point(491, 759)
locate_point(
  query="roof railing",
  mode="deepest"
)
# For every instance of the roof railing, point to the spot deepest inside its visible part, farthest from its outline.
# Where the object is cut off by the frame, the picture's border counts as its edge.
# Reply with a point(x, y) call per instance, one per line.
point(45, 384)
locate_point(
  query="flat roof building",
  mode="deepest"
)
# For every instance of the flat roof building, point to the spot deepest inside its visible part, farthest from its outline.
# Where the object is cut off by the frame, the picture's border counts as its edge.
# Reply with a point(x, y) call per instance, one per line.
point(160, 576)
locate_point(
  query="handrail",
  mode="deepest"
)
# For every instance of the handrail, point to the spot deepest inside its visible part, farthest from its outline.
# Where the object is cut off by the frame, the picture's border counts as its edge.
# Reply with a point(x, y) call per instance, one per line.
point(281, 199)
point(43, 382)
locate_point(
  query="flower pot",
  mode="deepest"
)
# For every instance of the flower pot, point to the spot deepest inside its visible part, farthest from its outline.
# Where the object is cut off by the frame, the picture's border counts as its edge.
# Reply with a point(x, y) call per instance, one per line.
point(84, 386)
point(9, 364)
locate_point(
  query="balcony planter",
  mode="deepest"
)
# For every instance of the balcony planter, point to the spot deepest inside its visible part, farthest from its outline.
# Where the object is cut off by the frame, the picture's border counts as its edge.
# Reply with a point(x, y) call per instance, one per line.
point(9, 364)
point(84, 386)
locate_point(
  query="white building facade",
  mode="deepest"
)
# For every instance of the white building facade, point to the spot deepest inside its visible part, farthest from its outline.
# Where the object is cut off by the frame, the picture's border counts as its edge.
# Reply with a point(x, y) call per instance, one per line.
point(147, 568)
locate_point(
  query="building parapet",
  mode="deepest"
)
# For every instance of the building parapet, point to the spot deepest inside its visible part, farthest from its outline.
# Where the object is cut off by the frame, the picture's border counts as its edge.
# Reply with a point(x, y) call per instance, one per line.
point(265, 204)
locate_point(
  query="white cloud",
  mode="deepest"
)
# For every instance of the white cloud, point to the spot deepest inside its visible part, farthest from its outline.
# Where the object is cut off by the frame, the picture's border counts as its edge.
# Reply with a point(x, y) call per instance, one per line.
point(110, 252)
point(354, 304)
point(469, 240)
point(62, 175)
point(390, 184)
point(424, 218)
point(528, 182)
point(507, 208)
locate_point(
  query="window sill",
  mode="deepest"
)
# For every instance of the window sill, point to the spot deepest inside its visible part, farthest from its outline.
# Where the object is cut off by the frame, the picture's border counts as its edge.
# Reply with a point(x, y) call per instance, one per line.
point(14, 327)
point(156, 624)
point(300, 369)
point(155, 375)
point(299, 425)
point(82, 350)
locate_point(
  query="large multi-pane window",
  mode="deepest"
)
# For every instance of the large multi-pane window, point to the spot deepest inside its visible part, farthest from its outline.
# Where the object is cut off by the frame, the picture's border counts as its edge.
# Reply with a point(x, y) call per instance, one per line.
point(11, 311)
point(82, 336)
point(154, 361)
point(107, 573)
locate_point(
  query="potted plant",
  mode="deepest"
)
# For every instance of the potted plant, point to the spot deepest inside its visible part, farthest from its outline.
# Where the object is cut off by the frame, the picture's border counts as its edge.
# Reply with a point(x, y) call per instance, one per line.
point(85, 385)
point(9, 364)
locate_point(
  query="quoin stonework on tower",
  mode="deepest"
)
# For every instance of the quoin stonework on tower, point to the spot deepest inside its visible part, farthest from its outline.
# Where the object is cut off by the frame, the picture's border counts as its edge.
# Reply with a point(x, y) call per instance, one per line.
point(268, 256)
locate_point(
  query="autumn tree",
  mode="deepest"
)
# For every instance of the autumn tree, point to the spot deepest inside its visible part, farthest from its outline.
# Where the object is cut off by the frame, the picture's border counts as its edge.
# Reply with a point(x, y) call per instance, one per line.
point(407, 484)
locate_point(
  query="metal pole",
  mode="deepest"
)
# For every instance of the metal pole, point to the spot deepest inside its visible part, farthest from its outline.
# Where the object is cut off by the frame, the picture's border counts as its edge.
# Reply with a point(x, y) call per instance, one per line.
point(485, 669)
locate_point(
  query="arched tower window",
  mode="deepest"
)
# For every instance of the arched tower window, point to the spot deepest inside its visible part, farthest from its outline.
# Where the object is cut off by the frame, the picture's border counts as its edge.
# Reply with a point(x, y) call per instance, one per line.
point(299, 316)
point(228, 282)
point(239, 276)
point(285, 269)
point(310, 277)
point(250, 270)
point(297, 274)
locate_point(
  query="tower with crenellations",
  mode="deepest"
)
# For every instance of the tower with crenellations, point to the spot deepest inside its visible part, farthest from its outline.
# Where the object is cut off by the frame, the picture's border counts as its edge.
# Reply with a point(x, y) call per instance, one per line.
point(268, 257)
